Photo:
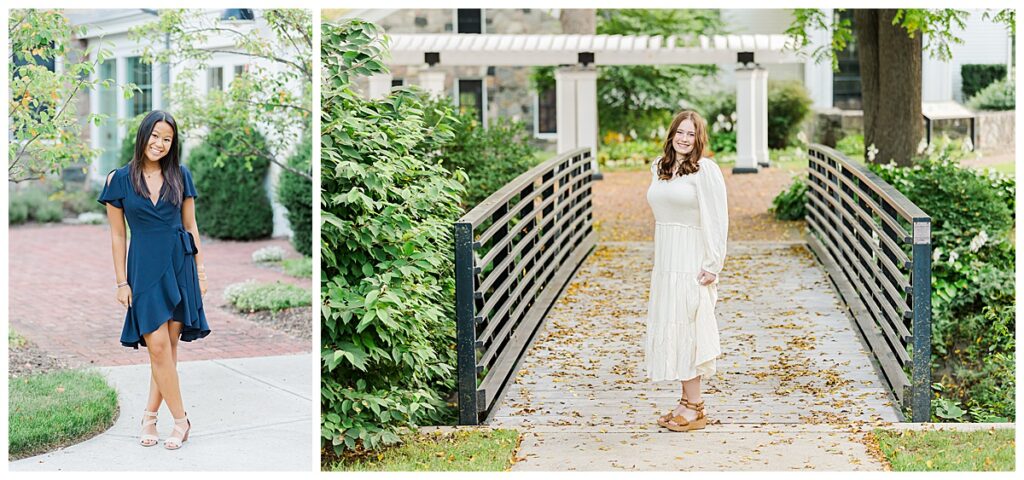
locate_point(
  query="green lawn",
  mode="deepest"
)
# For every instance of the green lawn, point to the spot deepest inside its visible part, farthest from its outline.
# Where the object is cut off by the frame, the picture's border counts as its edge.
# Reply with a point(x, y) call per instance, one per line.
point(986, 450)
point(58, 408)
point(460, 450)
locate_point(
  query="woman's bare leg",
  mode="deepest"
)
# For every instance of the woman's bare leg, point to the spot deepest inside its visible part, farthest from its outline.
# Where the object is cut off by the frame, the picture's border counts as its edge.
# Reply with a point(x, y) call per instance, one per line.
point(155, 399)
point(165, 373)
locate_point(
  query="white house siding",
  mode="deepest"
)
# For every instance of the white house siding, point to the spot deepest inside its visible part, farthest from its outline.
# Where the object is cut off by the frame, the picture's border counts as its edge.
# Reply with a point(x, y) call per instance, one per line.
point(111, 27)
point(984, 42)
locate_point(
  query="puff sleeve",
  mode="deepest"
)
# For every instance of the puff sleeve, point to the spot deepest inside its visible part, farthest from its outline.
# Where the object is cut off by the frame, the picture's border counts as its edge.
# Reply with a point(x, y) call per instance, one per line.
point(113, 190)
point(188, 188)
point(714, 215)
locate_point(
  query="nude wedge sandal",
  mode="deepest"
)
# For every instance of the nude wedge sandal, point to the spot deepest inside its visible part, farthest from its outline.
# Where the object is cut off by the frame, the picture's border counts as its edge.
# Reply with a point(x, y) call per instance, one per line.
point(182, 427)
point(663, 420)
point(148, 439)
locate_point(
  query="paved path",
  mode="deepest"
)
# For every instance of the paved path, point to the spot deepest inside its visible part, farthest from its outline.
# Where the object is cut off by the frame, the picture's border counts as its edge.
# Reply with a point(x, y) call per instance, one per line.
point(252, 414)
point(793, 381)
point(62, 297)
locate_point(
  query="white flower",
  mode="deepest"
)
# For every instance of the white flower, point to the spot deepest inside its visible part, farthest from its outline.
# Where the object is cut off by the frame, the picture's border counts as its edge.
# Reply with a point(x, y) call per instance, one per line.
point(978, 241)
point(936, 254)
point(732, 116)
point(715, 128)
point(632, 133)
point(921, 146)
point(272, 253)
point(720, 117)
point(872, 152)
point(952, 257)
point(802, 137)
point(727, 126)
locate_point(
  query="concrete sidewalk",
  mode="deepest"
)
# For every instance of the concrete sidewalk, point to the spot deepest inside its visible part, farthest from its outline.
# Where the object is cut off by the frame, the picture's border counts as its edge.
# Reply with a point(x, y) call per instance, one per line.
point(248, 414)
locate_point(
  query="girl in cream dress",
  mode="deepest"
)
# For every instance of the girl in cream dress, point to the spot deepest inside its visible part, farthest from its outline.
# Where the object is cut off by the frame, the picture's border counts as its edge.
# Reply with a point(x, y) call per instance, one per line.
point(688, 198)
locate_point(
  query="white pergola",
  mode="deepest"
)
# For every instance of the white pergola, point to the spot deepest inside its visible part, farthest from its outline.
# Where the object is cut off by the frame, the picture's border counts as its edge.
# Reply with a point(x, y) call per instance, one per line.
point(576, 78)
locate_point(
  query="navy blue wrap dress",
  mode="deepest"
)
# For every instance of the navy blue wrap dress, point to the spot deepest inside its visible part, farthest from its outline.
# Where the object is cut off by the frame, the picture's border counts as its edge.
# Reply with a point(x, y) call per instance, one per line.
point(161, 262)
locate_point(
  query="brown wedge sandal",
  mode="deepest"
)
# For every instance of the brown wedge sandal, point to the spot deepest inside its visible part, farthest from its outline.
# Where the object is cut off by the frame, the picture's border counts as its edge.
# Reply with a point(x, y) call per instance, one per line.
point(663, 420)
point(681, 424)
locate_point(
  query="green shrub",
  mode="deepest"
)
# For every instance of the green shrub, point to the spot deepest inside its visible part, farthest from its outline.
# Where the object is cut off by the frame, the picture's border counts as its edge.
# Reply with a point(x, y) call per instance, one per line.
point(788, 106)
point(254, 297)
point(17, 211)
point(232, 202)
point(491, 157)
point(719, 110)
point(1000, 95)
point(298, 267)
point(972, 281)
point(975, 77)
point(387, 281)
point(49, 212)
point(628, 154)
point(852, 146)
point(791, 203)
point(295, 193)
point(78, 201)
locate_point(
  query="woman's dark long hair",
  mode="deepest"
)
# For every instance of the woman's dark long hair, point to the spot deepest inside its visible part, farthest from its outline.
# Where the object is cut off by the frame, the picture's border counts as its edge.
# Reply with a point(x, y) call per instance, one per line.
point(170, 164)
point(690, 161)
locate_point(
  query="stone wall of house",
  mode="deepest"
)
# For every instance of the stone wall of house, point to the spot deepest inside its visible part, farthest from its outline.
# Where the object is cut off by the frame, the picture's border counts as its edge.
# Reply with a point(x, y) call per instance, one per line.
point(994, 131)
point(508, 87)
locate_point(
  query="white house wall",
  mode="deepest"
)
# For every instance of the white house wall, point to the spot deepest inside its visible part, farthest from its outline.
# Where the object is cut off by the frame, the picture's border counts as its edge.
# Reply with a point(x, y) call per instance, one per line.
point(113, 30)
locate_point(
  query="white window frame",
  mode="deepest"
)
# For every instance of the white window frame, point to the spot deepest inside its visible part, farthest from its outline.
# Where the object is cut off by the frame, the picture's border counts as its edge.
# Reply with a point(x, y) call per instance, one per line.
point(483, 95)
point(536, 120)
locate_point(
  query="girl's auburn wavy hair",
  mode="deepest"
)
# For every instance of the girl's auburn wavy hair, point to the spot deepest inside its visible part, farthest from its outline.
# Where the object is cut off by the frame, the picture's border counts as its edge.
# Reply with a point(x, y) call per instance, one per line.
point(690, 161)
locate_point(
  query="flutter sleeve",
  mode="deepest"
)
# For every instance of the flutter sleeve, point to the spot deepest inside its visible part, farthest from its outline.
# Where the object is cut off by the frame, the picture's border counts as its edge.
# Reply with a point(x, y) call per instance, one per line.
point(189, 188)
point(714, 215)
point(113, 190)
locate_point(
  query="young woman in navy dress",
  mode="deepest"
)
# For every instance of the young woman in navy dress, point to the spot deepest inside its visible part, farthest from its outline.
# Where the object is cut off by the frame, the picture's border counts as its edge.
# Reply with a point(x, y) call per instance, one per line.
point(160, 278)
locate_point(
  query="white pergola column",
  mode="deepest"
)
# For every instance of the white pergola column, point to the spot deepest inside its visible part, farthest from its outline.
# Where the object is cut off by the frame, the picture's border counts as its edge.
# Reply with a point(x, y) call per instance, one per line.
point(431, 81)
point(380, 85)
point(752, 119)
point(576, 106)
point(761, 116)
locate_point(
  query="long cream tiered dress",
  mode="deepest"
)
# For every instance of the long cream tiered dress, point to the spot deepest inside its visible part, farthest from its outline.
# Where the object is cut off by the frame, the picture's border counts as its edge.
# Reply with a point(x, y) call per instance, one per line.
point(691, 226)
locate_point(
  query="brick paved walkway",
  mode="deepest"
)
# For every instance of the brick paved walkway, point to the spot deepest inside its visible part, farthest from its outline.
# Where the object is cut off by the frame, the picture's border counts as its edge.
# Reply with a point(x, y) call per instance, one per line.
point(62, 297)
point(622, 214)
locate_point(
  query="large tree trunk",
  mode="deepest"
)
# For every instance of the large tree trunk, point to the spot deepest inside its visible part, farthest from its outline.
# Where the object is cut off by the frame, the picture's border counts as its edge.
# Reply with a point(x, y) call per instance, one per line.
point(578, 20)
point(890, 74)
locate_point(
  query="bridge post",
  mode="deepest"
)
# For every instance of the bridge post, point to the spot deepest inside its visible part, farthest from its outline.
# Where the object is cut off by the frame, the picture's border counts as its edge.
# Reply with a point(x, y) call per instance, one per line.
point(752, 119)
point(465, 324)
point(433, 82)
point(922, 322)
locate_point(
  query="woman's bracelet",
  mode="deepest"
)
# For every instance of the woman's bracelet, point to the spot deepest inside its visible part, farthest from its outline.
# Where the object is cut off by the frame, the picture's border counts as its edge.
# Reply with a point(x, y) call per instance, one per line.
point(122, 284)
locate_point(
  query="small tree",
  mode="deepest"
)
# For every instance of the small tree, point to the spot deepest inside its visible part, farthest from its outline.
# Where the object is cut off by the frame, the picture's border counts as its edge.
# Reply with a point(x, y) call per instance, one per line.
point(45, 76)
point(889, 49)
point(263, 93)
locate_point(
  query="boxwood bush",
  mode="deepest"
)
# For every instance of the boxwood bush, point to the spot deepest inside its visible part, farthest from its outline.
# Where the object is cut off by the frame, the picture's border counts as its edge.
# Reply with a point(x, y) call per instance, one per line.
point(387, 282)
point(1000, 95)
point(788, 106)
point(295, 192)
point(232, 201)
point(976, 76)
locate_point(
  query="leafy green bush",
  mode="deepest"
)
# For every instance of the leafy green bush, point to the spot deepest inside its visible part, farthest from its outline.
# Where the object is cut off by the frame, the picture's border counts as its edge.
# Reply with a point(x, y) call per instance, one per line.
point(852, 146)
point(628, 154)
point(788, 106)
point(296, 194)
point(976, 76)
point(718, 107)
point(791, 203)
point(387, 281)
point(972, 281)
point(254, 297)
point(34, 203)
point(232, 202)
point(298, 267)
point(491, 157)
point(1000, 95)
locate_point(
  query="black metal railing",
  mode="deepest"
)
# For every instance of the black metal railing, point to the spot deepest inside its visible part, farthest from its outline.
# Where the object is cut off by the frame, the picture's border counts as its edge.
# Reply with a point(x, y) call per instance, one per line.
point(876, 246)
point(514, 252)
